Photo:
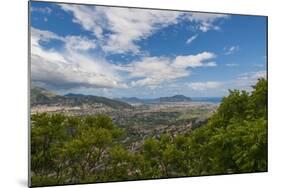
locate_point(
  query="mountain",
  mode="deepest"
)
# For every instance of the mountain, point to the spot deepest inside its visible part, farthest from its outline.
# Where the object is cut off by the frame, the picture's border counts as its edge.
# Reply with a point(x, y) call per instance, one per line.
point(41, 96)
point(79, 99)
point(175, 98)
point(74, 95)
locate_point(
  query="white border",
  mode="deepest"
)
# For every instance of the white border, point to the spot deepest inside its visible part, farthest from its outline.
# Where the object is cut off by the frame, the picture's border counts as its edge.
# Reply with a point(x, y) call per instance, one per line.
point(13, 93)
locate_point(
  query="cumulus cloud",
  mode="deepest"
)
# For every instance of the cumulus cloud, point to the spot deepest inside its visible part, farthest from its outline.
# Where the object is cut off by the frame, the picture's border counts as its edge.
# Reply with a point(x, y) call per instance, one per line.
point(126, 25)
point(88, 17)
point(119, 29)
point(231, 50)
point(79, 43)
point(191, 39)
point(71, 42)
point(69, 68)
point(151, 71)
point(38, 36)
point(194, 60)
point(205, 85)
point(61, 75)
point(129, 26)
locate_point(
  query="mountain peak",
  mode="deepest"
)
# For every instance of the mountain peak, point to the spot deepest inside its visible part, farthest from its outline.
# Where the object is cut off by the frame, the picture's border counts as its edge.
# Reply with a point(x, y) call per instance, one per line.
point(175, 98)
point(40, 96)
point(74, 95)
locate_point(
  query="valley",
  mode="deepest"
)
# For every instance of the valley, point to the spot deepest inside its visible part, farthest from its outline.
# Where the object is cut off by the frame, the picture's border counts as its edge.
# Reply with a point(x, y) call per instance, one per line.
point(107, 139)
point(140, 119)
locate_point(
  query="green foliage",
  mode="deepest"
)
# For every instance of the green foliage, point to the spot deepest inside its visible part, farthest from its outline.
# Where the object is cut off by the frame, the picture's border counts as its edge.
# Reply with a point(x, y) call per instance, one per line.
point(73, 149)
point(70, 149)
point(235, 138)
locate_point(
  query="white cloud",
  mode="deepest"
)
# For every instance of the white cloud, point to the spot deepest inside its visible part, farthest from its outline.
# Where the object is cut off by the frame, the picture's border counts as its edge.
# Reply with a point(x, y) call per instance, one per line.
point(206, 21)
point(151, 71)
point(61, 75)
point(69, 68)
point(36, 49)
point(231, 50)
point(194, 60)
point(247, 80)
point(88, 17)
point(252, 75)
point(191, 39)
point(126, 26)
point(79, 43)
point(44, 35)
point(205, 85)
point(44, 10)
point(129, 26)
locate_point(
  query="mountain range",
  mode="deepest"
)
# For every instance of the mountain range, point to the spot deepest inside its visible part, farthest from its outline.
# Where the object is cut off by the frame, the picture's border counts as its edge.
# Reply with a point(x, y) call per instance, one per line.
point(41, 96)
point(175, 98)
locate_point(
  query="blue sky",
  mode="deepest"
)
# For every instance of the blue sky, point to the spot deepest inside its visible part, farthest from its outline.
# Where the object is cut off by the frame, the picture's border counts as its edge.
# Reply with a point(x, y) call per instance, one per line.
point(125, 52)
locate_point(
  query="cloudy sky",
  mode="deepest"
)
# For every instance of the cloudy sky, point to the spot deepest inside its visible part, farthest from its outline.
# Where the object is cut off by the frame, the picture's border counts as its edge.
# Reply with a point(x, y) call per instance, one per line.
point(125, 52)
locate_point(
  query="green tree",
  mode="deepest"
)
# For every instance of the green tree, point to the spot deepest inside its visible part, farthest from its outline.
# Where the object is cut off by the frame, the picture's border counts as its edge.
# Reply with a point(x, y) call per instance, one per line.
point(77, 149)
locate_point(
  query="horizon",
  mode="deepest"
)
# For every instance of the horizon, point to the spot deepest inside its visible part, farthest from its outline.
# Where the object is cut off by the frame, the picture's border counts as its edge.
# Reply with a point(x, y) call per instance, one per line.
point(146, 98)
point(118, 52)
point(122, 97)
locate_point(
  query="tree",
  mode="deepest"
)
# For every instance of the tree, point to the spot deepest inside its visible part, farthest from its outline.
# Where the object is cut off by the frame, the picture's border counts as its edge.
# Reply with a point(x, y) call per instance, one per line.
point(235, 137)
point(78, 149)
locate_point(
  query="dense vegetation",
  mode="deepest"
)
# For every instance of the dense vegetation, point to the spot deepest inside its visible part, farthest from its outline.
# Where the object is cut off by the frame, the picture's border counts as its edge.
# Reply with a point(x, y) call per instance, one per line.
point(72, 149)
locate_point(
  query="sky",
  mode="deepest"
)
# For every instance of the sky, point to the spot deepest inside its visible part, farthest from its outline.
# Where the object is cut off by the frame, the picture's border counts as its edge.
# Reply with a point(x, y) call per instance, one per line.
point(127, 52)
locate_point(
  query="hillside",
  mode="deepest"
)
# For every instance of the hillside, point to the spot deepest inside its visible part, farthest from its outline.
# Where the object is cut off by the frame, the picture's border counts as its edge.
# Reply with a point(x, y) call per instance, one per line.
point(79, 99)
point(175, 98)
point(41, 96)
